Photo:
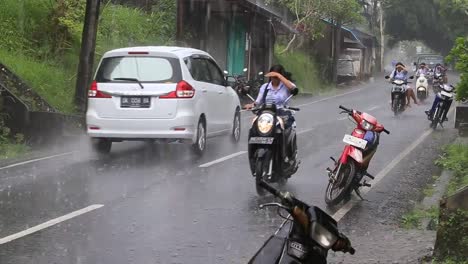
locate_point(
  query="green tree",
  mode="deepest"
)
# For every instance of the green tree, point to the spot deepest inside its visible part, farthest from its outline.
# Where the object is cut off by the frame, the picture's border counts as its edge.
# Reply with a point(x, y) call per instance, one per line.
point(459, 55)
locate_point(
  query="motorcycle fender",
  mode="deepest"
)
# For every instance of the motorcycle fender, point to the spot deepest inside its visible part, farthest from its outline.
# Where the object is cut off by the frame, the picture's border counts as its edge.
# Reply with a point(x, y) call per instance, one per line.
point(270, 252)
point(352, 152)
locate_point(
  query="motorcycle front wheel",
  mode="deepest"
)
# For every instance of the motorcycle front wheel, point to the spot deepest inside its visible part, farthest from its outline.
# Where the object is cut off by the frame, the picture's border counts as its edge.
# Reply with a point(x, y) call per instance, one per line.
point(259, 173)
point(339, 188)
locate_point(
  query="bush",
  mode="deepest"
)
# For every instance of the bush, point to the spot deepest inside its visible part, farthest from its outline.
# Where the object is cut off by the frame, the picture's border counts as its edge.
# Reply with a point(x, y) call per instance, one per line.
point(303, 68)
point(456, 160)
point(459, 55)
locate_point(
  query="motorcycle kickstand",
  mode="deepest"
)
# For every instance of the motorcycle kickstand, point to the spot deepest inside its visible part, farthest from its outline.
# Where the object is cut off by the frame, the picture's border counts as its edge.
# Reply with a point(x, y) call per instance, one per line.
point(358, 193)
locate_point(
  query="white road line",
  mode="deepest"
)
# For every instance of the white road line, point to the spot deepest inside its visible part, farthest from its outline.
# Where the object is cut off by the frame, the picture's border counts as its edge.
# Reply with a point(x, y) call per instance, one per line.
point(342, 118)
point(348, 206)
point(374, 107)
point(36, 160)
point(206, 165)
point(331, 97)
point(305, 131)
point(50, 223)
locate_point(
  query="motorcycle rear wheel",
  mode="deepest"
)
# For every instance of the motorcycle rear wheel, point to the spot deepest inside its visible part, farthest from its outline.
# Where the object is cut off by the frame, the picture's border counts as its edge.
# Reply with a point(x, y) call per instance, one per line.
point(345, 175)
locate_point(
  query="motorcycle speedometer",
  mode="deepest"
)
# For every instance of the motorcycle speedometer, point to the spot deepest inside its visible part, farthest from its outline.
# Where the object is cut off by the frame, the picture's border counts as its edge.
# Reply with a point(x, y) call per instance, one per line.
point(322, 236)
point(265, 123)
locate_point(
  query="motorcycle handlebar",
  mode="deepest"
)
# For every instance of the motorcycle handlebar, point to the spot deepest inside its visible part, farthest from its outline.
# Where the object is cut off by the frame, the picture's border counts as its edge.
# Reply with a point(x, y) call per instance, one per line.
point(386, 131)
point(270, 189)
point(346, 109)
point(294, 108)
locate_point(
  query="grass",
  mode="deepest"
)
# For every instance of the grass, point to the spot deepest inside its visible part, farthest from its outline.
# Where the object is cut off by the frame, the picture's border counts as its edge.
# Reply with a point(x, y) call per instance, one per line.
point(304, 69)
point(53, 82)
point(456, 160)
point(413, 219)
point(11, 150)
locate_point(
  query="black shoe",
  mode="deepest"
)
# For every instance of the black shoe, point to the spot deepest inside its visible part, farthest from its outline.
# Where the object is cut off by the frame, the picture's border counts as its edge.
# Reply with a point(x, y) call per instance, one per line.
point(446, 119)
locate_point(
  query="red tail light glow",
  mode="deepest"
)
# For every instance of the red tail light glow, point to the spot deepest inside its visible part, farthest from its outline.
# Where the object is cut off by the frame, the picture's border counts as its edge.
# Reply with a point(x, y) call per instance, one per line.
point(95, 93)
point(183, 91)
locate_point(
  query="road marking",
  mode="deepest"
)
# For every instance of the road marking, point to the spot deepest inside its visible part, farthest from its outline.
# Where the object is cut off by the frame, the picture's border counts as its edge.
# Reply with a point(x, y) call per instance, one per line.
point(305, 131)
point(209, 164)
point(348, 206)
point(36, 160)
point(49, 223)
point(342, 118)
point(331, 97)
point(374, 107)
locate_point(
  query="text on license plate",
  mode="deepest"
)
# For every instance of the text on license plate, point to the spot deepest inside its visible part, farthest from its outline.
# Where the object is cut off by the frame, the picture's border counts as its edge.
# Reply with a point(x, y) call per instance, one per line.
point(261, 140)
point(354, 141)
point(135, 102)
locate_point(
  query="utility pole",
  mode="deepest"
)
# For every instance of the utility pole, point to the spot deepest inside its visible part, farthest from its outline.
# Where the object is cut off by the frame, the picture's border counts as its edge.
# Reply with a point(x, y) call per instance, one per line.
point(88, 46)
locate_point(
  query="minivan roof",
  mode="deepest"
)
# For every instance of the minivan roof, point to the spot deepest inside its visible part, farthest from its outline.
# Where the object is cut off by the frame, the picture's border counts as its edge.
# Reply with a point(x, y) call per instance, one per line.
point(179, 52)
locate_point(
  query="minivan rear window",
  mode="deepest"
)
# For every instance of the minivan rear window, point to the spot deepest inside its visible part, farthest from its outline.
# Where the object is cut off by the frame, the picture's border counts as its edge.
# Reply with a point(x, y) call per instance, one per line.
point(145, 69)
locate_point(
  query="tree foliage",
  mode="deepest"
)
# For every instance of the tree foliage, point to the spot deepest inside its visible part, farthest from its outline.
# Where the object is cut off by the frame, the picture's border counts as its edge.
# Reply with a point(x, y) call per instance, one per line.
point(459, 55)
point(435, 22)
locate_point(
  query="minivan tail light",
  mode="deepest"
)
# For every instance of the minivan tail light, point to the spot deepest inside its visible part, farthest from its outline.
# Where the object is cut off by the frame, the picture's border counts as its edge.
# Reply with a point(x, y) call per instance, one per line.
point(183, 91)
point(95, 93)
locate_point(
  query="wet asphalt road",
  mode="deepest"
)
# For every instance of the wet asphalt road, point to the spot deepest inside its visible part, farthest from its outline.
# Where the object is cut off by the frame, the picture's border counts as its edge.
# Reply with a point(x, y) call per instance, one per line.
point(161, 207)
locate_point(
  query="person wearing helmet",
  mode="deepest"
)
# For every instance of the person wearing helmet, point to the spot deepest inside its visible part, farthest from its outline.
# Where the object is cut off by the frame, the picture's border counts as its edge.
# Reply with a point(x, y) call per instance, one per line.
point(400, 73)
point(439, 68)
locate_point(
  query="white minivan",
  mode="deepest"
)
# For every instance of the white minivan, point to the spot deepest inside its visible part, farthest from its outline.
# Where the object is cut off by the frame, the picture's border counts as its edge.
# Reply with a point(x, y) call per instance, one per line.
point(162, 93)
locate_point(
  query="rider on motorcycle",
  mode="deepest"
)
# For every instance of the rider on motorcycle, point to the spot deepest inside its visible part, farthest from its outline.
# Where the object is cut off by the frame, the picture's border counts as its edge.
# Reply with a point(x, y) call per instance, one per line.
point(423, 70)
point(442, 70)
point(434, 105)
point(400, 73)
point(279, 88)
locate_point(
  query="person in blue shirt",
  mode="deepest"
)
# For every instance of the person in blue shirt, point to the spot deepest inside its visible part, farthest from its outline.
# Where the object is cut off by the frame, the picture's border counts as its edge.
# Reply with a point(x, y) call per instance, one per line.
point(279, 88)
point(400, 73)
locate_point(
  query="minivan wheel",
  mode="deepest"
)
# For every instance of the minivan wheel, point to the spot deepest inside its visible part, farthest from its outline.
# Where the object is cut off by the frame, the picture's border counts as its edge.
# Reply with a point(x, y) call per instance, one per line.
point(102, 145)
point(200, 143)
point(236, 127)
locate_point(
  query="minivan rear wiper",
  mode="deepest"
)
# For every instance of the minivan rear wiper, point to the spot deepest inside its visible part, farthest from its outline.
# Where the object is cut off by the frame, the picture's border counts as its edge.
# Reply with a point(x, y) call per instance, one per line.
point(130, 80)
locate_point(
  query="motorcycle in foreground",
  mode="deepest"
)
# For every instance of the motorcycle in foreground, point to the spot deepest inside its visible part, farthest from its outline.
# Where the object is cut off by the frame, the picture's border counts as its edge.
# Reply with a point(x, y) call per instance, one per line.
point(306, 236)
point(398, 95)
point(351, 167)
point(445, 99)
point(422, 87)
point(272, 145)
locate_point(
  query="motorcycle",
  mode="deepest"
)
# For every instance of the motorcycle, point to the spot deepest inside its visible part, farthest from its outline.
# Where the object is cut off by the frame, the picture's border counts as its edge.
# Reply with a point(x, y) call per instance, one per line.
point(272, 145)
point(306, 236)
point(422, 91)
point(352, 166)
point(398, 95)
point(445, 97)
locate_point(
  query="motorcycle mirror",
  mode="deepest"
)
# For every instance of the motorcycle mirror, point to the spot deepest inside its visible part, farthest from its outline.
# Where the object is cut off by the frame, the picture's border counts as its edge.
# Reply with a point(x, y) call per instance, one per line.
point(387, 77)
point(226, 72)
point(260, 73)
point(244, 70)
point(411, 77)
point(295, 91)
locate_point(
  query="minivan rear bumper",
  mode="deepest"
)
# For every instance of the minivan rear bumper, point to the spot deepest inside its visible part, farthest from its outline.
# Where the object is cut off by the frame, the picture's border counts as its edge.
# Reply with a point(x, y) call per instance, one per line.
point(182, 127)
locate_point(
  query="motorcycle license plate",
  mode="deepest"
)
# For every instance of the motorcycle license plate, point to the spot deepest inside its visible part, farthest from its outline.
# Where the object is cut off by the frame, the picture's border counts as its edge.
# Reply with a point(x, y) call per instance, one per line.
point(444, 93)
point(261, 140)
point(354, 141)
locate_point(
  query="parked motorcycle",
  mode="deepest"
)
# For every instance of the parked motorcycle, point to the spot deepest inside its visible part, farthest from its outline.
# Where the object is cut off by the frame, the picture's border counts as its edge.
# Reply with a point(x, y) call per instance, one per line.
point(445, 99)
point(351, 167)
point(399, 95)
point(272, 144)
point(306, 236)
point(422, 87)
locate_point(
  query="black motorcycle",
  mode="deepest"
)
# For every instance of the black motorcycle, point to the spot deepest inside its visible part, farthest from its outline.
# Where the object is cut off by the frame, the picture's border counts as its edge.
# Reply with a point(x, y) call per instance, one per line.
point(306, 236)
point(445, 97)
point(272, 144)
point(398, 95)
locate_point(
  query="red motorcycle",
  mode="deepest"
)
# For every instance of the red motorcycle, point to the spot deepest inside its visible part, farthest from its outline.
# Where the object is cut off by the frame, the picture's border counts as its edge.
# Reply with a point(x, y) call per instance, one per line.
point(352, 166)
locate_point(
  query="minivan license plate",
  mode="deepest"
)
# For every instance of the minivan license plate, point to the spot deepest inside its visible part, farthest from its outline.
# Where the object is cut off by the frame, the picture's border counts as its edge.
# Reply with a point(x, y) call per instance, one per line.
point(135, 102)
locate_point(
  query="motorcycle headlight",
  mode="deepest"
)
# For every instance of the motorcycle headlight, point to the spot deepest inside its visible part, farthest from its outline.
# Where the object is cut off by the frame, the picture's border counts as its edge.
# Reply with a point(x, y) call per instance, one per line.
point(366, 125)
point(265, 123)
point(322, 236)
